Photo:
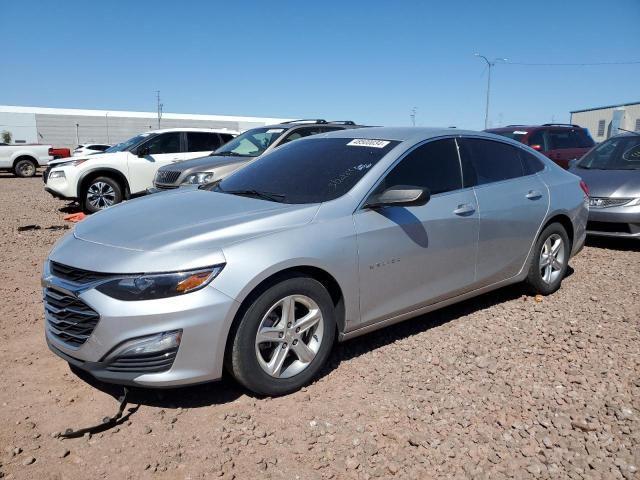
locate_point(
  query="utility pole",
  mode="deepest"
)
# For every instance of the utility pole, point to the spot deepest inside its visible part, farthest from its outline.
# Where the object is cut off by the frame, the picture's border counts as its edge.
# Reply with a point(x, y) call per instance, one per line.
point(412, 115)
point(160, 105)
point(490, 64)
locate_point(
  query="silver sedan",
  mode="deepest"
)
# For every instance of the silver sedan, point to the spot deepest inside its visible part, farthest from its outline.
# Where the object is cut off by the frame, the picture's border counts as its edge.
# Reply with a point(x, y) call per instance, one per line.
point(321, 240)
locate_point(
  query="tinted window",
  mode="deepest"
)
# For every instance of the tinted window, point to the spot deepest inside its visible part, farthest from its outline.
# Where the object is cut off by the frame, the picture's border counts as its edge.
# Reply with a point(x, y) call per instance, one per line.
point(530, 163)
point(583, 139)
point(561, 139)
point(537, 138)
point(434, 165)
point(202, 142)
point(225, 137)
point(513, 134)
point(311, 171)
point(486, 161)
point(164, 143)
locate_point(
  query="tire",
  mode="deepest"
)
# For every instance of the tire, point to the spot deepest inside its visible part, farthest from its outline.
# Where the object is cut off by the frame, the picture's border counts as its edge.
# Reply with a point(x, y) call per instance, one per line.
point(252, 360)
point(100, 193)
point(25, 167)
point(545, 278)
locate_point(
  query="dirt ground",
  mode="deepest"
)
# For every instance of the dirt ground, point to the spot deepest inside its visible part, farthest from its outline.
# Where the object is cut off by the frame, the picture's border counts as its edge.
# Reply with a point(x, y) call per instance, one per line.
point(497, 387)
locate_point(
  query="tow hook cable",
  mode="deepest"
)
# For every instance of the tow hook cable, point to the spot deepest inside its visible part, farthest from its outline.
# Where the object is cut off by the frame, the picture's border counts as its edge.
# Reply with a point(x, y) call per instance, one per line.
point(107, 422)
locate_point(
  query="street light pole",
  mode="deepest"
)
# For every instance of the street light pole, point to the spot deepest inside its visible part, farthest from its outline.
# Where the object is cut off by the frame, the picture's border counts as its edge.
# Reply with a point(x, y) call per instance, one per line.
point(490, 64)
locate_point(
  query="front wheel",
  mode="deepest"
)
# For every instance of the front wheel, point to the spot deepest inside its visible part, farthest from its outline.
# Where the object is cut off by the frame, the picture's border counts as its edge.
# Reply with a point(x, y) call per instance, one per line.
point(100, 193)
point(284, 337)
point(550, 260)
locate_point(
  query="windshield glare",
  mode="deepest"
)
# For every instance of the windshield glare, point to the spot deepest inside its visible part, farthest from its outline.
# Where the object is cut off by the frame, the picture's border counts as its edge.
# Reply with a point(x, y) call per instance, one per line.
point(619, 153)
point(127, 145)
point(251, 143)
point(311, 170)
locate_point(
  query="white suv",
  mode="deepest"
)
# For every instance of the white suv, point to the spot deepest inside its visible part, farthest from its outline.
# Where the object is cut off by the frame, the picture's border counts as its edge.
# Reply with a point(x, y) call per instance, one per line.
point(127, 169)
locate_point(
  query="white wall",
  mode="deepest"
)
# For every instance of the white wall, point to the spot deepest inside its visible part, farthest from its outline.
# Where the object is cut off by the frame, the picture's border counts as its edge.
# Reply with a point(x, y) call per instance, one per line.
point(21, 125)
point(591, 118)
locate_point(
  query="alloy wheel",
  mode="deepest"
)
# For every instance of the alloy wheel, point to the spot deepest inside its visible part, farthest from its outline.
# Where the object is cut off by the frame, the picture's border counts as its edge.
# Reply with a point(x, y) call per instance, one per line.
point(552, 258)
point(101, 195)
point(289, 336)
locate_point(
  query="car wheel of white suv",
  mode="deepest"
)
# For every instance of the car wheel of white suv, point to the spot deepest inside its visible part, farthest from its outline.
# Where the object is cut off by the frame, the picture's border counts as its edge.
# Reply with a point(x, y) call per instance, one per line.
point(100, 193)
point(284, 337)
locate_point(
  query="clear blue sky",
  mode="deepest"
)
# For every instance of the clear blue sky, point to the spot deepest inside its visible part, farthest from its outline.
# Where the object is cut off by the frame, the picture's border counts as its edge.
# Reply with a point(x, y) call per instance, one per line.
point(370, 61)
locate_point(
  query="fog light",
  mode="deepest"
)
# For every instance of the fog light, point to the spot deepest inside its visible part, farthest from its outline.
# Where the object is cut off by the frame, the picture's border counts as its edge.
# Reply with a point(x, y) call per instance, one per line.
point(151, 344)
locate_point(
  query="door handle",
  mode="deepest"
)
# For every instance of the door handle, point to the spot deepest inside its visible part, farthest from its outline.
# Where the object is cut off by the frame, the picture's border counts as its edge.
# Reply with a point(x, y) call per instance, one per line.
point(533, 195)
point(464, 209)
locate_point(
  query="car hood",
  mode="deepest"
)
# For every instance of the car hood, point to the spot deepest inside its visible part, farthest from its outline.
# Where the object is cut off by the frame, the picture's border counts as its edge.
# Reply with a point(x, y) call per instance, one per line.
point(87, 156)
point(191, 220)
point(205, 163)
point(610, 183)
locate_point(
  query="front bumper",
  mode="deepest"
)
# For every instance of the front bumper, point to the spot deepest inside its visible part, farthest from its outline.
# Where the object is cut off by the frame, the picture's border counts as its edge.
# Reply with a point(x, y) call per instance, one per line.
point(203, 317)
point(64, 188)
point(614, 222)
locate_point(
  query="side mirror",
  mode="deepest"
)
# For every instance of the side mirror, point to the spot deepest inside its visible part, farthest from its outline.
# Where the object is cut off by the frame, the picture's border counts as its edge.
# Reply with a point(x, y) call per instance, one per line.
point(399, 196)
point(143, 151)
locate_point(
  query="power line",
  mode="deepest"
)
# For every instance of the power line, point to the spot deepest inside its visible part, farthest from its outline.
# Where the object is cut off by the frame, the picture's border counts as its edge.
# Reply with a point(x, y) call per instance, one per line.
point(586, 64)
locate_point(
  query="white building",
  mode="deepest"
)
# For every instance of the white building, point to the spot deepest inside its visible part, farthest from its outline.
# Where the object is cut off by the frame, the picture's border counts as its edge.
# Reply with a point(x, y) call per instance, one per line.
point(604, 122)
point(68, 127)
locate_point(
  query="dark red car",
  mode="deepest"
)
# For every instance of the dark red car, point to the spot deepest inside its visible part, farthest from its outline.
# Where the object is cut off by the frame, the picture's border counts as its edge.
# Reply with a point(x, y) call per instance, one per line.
point(558, 141)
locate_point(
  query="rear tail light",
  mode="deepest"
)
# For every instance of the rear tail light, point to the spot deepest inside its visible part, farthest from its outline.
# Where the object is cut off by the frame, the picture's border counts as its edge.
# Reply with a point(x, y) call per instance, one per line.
point(584, 187)
point(50, 151)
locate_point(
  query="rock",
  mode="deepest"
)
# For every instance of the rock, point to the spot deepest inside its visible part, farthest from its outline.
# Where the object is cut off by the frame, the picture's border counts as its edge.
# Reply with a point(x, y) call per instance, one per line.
point(63, 453)
point(28, 461)
point(146, 430)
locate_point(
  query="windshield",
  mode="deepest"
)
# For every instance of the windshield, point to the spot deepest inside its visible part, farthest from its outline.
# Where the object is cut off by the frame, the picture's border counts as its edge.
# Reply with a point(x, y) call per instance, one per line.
point(618, 153)
point(251, 143)
point(127, 145)
point(312, 170)
point(513, 134)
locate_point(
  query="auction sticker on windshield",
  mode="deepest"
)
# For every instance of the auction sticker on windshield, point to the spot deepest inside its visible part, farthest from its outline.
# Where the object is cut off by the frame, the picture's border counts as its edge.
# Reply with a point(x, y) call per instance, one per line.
point(365, 142)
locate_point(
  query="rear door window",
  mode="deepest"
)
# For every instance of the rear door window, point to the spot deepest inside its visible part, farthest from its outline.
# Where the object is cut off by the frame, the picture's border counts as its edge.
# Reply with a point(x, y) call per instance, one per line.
point(562, 139)
point(582, 138)
point(164, 143)
point(202, 141)
point(488, 161)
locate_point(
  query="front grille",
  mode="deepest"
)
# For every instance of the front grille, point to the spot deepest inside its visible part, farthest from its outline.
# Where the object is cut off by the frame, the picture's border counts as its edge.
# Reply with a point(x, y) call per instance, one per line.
point(147, 363)
point(606, 202)
point(69, 319)
point(76, 275)
point(609, 227)
point(167, 176)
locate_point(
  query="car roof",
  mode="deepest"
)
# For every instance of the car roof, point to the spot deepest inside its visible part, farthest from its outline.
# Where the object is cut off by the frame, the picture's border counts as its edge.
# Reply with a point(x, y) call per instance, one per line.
point(509, 128)
point(194, 129)
point(403, 134)
point(311, 123)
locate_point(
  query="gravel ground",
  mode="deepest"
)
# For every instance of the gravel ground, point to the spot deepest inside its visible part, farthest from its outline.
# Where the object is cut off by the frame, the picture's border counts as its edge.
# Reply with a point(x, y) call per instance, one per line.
point(501, 386)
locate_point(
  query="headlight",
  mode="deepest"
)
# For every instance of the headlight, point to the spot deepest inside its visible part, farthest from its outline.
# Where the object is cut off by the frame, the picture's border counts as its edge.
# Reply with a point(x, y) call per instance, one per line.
point(72, 163)
point(198, 178)
point(56, 174)
point(159, 285)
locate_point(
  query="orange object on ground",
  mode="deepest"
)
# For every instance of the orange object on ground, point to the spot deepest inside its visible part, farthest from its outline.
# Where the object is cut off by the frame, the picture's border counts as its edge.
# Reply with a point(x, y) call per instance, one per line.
point(74, 217)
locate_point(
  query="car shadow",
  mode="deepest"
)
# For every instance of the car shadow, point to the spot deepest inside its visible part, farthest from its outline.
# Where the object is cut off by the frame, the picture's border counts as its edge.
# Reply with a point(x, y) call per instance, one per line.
point(614, 243)
point(408, 222)
point(227, 390)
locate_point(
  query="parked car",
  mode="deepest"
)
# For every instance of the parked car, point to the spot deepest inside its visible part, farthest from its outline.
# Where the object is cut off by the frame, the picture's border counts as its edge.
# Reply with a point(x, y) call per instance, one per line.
point(560, 142)
point(89, 148)
point(101, 180)
point(59, 152)
point(23, 159)
point(240, 151)
point(612, 172)
point(331, 236)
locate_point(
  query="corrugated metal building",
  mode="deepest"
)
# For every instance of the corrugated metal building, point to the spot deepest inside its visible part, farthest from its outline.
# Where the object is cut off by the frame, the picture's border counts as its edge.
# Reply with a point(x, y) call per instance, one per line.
point(604, 122)
point(67, 127)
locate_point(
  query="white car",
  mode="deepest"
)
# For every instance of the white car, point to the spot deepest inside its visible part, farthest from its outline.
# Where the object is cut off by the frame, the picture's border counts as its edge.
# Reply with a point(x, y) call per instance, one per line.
point(23, 160)
point(100, 180)
point(89, 148)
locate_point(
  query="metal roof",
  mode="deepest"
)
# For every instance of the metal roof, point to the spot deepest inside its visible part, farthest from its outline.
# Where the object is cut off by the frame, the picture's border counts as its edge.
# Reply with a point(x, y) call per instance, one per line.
point(606, 106)
point(121, 113)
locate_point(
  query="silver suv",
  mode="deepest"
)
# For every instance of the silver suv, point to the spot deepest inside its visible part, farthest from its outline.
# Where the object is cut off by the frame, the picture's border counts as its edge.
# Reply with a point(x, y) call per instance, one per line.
point(240, 151)
point(328, 237)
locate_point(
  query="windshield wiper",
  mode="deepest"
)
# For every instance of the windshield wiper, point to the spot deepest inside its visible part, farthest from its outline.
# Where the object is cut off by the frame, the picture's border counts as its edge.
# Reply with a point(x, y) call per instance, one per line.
point(250, 192)
point(229, 154)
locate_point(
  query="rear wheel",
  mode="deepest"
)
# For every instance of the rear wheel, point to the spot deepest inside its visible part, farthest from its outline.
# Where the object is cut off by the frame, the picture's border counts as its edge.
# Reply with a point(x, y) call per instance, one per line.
point(25, 167)
point(550, 260)
point(284, 337)
point(100, 193)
